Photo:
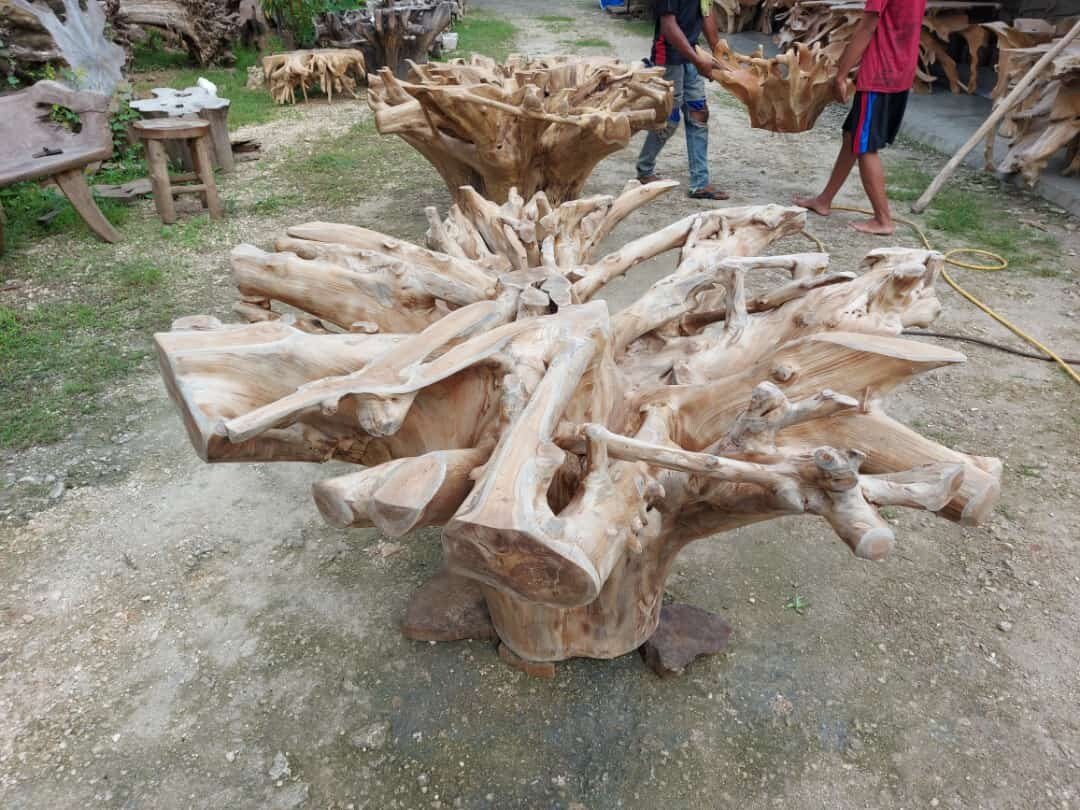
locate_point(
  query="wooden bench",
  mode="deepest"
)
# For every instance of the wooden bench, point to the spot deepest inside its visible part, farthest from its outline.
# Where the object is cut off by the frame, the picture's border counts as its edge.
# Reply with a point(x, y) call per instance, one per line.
point(36, 147)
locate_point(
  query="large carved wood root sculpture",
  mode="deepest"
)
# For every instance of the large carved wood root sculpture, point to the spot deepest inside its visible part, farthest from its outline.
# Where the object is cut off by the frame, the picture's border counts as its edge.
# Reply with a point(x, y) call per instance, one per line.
point(571, 453)
point(530, 124)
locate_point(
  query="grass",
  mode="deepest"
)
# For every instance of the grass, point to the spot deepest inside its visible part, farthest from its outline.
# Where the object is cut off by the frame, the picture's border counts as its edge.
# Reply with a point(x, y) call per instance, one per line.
point(25, 203)
point(971, 215)
point(642, 27)
point(556, 24)
point(485, 34)
point(591, 42)
point(58, 357)
point(337, 170)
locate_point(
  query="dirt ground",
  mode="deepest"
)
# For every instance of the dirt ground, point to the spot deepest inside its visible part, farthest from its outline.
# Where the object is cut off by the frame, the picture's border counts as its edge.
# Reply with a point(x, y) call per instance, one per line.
point(177, 635)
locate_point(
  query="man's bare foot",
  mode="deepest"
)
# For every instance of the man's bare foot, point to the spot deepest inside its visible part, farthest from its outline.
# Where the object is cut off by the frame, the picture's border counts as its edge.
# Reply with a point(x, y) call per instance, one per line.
point(813, 204)
point(875, 227)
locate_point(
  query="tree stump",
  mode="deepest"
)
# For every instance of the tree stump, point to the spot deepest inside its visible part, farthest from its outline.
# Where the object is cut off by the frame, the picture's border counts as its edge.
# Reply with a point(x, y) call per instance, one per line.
point(392, 33)
point(570, 453)
point(530, 124)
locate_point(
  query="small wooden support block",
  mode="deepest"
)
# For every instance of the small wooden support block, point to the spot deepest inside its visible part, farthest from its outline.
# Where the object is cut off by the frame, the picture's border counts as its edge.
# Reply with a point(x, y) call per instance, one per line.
point(534, 669)
point(448, 607)
point(684, 633)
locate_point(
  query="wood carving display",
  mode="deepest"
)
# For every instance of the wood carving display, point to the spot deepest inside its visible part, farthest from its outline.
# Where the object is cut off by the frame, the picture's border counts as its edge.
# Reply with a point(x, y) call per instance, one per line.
point(531, 124)
point(391, 33)
point(784, 94)
point(1046, 121)
point(334, 70)
point(745, 15)
point(569, 452)
point(830, 24)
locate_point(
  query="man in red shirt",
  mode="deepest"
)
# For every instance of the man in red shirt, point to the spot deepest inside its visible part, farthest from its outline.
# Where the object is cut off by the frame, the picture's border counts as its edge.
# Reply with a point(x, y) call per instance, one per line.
point(886, 48)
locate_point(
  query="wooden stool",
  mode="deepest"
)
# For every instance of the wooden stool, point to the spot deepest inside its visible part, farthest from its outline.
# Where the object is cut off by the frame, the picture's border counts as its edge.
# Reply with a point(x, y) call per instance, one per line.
point(196, 134)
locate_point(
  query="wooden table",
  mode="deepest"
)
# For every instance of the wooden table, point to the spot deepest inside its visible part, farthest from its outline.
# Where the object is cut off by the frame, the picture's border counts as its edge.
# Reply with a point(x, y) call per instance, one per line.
point(202, 101)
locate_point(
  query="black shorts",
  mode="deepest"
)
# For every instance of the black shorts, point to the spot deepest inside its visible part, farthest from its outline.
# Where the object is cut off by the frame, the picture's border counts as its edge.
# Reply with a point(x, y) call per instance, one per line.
point(874, 120)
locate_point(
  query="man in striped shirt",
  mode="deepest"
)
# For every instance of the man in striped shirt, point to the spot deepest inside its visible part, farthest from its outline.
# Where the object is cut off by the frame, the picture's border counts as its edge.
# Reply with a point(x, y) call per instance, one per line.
point(886, 48)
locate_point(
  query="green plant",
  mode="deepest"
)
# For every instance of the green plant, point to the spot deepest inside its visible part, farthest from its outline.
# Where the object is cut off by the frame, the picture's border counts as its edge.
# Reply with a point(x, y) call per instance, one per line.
point(151, 54)
point(296, 17)
point(119, 121)
point(65, 117)
point(798, 604)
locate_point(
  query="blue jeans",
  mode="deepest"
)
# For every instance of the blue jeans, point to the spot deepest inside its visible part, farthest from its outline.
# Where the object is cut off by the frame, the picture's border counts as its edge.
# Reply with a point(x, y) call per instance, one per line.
point(689, 97)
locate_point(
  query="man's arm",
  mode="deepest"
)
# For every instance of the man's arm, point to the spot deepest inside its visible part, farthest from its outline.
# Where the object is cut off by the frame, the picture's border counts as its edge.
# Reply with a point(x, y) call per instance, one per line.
point(669, 28)
point(712, 35)
point(856, 47)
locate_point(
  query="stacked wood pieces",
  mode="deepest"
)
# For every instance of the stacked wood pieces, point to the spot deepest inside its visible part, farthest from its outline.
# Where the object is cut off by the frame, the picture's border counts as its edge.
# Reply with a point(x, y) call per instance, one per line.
point(391, 33)
point(531, 124)
point(1047, 120)
point(570, 453)
point(750, 15)
point(784, 94)
point(334, 70)
point(831, 24)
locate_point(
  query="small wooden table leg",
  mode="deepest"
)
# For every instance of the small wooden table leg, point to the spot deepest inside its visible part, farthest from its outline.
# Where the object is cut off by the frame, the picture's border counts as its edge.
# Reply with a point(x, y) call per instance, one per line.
point(204, 168)
point(158, 162)
point(219, 131)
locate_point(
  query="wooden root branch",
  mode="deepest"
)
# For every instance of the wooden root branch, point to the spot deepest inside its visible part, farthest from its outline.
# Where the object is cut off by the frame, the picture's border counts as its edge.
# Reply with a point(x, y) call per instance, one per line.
point(570, 454)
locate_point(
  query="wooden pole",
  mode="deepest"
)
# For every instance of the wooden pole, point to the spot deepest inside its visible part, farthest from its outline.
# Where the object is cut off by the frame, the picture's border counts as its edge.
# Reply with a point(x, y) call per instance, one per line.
point(992, 121)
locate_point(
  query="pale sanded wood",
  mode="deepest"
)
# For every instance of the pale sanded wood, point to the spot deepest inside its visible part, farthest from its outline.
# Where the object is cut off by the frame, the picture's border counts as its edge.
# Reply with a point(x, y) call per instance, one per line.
point(570, 453)
point(530, 124)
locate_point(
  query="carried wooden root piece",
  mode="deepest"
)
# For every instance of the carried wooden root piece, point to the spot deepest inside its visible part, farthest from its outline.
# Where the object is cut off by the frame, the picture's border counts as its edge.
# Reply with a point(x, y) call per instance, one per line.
point(784, 94)
point(532, 124)
point(333, 70)
point(570, 454)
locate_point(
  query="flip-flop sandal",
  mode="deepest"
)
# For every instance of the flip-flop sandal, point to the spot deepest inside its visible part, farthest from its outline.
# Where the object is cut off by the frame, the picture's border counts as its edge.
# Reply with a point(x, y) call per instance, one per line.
point(649, 178)
point(709, 193)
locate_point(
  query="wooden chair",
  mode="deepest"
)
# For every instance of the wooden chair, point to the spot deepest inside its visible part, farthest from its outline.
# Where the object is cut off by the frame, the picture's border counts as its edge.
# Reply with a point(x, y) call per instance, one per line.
point(156, 132)
point(36, 147)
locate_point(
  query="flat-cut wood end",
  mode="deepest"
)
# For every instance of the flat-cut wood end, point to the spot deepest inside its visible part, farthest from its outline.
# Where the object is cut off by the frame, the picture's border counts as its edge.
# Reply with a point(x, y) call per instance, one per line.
point(982, 503)
point(521, 562)
point(876, 544)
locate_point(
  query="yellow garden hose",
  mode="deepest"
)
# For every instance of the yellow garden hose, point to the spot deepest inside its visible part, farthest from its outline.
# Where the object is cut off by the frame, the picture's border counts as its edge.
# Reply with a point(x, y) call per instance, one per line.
point(999, 264)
